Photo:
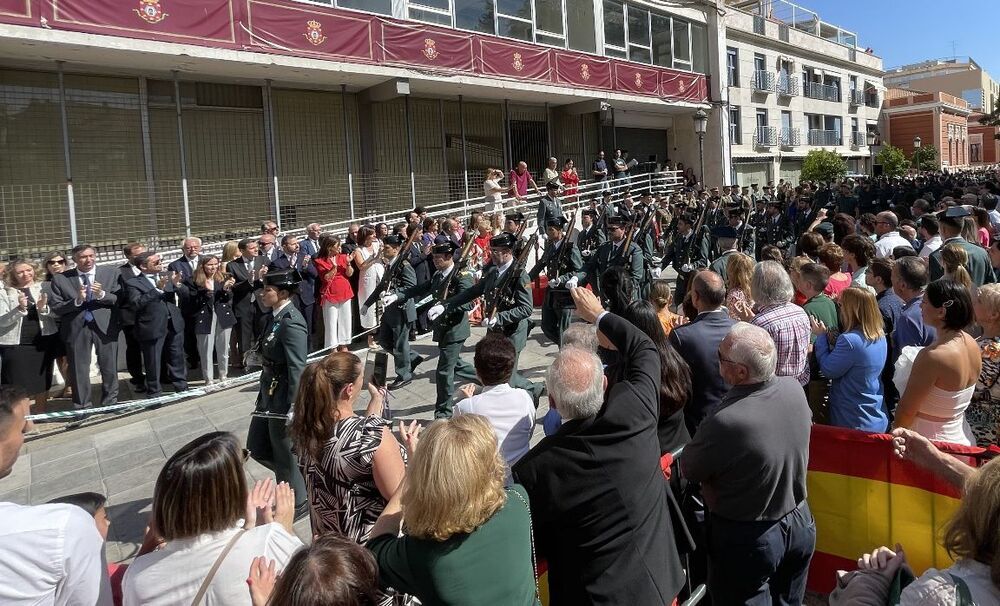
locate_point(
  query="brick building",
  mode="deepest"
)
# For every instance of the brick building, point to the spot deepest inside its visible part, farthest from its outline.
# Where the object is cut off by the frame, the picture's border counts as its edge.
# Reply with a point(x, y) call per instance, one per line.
point(939, 119)
point(984, 147)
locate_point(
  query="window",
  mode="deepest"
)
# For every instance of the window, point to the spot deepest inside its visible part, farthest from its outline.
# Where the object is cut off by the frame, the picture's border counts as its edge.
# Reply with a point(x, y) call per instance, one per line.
point(662, 52)
point(474, 15)
point(854, 83)
point(974, 97)
point(734, 126)
point(682, 45)
point(733, 66)
point(614, 24)
point(854, 125)
point(975, 152)
point(759, 63)
point(514, 19)
point(431, 11)
point(382, 7)
point(699, 48)
point(580, 22)
point(638, 35)
point(761, 118)
point(786, 121)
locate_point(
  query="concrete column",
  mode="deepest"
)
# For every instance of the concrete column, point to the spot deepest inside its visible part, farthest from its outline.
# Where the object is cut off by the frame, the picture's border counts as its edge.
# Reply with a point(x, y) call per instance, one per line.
point(183, 156)
point(70, 201)
point(147, 157)
point(347, 150)
point(272, 161)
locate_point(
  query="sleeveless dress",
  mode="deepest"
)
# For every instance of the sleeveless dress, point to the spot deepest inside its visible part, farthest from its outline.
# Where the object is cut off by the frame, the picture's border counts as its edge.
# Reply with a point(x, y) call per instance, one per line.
point(940, 403)
point(367, 283)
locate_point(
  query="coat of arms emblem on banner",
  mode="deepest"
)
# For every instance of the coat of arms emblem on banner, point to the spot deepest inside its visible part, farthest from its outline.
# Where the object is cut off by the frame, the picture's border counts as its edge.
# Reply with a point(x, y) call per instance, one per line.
point(150, 11)
point(585, 72)
point(682, 87)
point(314, 33)
point(429, 51)
point(518, 62)
point(638, 80)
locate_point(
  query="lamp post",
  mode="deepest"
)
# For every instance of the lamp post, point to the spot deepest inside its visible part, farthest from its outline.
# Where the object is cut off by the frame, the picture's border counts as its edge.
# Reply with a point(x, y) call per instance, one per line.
point(916, 148)
point(700, 127)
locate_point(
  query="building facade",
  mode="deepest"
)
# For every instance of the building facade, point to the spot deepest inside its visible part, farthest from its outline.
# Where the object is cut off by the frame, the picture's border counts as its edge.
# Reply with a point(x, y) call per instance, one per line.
point(793, 83)
point(153, 119)
point(984, 142)
point(938, 119)
point(959, 77)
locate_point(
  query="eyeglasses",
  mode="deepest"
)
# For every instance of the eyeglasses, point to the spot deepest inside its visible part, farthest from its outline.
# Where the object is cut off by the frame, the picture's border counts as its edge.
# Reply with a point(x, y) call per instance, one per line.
point(56, 262)
point(726, 360)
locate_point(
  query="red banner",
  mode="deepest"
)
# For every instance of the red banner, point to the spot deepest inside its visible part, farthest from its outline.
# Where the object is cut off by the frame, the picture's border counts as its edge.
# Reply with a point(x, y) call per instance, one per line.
point(521, 61)
point(582, 70)
point(683, 86)
point(198, 21)
point(632, 78)
point(15, 8)
point(305, 29)
point(429, 47)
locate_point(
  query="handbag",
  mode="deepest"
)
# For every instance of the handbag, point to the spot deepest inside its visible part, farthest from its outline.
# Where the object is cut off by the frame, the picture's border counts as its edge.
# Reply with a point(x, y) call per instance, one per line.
point(215, 567)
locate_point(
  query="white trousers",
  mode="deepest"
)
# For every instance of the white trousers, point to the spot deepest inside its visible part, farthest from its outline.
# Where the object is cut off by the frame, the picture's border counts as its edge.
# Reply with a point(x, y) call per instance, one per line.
point(336, 323)
point(219, 341)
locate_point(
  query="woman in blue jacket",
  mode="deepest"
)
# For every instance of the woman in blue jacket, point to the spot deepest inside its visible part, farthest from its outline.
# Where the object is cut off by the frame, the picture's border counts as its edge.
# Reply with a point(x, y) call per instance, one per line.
point(853, 361)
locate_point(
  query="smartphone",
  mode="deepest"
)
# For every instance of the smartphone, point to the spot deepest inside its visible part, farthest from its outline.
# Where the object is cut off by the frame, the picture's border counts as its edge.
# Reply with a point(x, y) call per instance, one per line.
point(376, 368)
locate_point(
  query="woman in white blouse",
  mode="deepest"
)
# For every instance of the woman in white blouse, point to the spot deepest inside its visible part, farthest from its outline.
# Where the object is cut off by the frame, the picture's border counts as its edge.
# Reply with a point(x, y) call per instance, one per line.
point(206, 519)
point(493, 191)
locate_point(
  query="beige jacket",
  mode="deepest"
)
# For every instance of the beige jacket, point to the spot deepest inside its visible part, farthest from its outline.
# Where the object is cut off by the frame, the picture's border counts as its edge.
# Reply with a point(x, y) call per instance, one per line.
point(11, 316)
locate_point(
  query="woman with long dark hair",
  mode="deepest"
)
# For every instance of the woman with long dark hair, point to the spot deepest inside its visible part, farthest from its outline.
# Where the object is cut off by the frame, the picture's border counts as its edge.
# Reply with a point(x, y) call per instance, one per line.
point(675, 377)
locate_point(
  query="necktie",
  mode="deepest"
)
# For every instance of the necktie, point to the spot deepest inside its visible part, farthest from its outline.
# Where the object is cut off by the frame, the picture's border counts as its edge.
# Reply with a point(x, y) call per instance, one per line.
point(88, 315)
point(291, 261)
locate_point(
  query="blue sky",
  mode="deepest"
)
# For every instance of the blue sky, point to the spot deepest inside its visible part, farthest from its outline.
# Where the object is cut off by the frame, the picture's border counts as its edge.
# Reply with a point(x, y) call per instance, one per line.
point(907, 31)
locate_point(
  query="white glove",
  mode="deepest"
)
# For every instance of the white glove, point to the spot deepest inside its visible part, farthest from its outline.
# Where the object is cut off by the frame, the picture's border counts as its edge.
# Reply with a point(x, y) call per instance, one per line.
point(587, 253)
point(686, 268)
point(389, 299)
point(554, 282)
point(542, 235)
point(492, 322)
point(572, 282)
point(434, 312)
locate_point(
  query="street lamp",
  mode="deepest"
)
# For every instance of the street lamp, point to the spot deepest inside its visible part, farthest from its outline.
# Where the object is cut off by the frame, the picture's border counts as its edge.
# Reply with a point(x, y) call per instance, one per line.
point(871, 137)
point(916, 142)
point(916, 147)
point(700, 128)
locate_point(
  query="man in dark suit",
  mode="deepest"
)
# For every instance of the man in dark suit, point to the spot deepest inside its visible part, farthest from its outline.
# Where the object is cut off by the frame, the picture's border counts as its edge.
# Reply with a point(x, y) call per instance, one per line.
point(698, 343)
point(398, 318)
point(186, 266)
point(86, 301)
point(133, 352)
point(310, 244)
point(600, 510)
point(246, 270)
point(159, 326)
point(291, 257)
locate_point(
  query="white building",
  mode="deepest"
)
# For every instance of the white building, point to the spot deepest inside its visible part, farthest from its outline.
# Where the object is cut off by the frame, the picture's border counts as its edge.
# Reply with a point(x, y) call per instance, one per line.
point(792, 83)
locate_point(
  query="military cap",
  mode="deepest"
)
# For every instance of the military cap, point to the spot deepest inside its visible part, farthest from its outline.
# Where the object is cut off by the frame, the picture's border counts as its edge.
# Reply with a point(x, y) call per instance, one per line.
point(503, 240)
point(393, 240)
point(825, 229)
point(957, 212)
point(516, 217)
point(553, 184)
point(737, 211)
point(556, 222)
point(590, 212)
point(725, 231)
point(616, 221)
point(773, 202)
point(444, 248)
point(286, 279)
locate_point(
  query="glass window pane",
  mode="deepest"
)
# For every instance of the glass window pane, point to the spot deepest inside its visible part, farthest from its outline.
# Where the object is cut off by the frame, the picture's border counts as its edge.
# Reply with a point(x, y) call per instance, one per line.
point(682, 50)
point(548, 16)
point(662, 53)
point(430, 17)
point(614, 52)
point(550, 40)
point(382, 7)
point(614, 23)
point(515, 8)
point(510, 28)
point(476, 15)
point(439, 4)
point(638, 26)
point(699, 48)
point(637, 53)
point(580, 21)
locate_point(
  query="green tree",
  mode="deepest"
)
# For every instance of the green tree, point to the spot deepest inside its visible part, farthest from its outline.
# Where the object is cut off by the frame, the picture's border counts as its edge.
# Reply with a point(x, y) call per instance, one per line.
point(893, 161)
point(925, 158)
point(823, 165)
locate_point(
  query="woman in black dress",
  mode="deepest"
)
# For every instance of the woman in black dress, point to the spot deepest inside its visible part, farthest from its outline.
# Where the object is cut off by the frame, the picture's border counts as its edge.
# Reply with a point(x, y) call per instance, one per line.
point(55, 263)
point(26, 321)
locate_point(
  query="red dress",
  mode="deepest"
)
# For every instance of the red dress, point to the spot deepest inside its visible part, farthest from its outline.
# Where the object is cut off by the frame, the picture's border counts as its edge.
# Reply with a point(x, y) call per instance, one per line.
point(570, 180)
point(339, 288)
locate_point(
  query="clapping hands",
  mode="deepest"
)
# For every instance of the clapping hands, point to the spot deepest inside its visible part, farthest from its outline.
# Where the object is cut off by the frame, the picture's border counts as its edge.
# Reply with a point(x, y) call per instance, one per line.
point(269, 503)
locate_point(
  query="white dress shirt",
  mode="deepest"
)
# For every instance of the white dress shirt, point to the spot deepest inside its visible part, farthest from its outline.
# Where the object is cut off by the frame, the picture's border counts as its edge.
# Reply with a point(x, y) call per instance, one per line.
point(889, 241)
point(172, 575)
point(511, 412)
point(930, 246)
point(51, 555)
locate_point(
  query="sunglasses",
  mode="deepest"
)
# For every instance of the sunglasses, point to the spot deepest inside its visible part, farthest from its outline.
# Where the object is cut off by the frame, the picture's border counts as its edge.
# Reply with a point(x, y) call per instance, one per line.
point(57, 262)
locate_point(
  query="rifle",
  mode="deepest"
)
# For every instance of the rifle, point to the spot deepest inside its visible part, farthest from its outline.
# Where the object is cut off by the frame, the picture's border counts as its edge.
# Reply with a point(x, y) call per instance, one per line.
point(566, 244)
point(695, 234)
point(391, 273)
point(626, 244)
point(507, 282)
point(463, 262)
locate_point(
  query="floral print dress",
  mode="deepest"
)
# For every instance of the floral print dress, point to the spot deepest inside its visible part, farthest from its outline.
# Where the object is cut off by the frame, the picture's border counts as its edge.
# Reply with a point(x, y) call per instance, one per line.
point(983, 413)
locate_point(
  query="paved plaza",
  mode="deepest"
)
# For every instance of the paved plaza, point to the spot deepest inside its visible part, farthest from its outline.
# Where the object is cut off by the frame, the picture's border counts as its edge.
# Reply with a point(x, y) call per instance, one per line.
point(121, 457)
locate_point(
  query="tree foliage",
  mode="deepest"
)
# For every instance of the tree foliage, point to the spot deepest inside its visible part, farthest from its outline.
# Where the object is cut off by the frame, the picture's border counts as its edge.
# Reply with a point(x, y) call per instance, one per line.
point(893, 161)
point(823, 165)
point(992, 118)
point(925, 158)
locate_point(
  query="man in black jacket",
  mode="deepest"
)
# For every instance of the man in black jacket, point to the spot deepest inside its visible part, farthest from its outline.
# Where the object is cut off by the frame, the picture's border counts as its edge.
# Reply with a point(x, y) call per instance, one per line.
point(133, 351)
point(159, 326)
point(599, 501)
point(291, 257)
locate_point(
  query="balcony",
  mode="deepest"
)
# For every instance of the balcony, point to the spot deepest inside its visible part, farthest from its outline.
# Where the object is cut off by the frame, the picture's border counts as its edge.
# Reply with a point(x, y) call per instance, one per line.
point(766, 136)
point(824, 137)
point(788, 86)
point(763, 82)
point(858, 140)
point(791, 137)
point(856, 98)
point(823, 92)
point(871, 100)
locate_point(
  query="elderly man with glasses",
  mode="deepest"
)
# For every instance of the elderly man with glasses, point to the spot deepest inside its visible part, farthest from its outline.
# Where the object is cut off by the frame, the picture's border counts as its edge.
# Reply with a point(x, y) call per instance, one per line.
point(751, 457)
point(887, 230)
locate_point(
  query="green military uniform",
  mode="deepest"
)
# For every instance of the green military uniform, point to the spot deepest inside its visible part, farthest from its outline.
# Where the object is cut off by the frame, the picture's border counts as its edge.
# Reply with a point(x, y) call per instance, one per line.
point(610, 255)
point(549, 206)
point(513, 310)
point(397, 320)
point(561, 264)
point(284, 347)
point(720, 263)
point(588, 240)
point(980, 269)
point(451, 329)
point(775, 231)
point(686, 255)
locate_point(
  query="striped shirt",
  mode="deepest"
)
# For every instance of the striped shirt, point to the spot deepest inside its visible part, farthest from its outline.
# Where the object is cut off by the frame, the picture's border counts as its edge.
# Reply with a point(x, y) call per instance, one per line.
point(788, 325)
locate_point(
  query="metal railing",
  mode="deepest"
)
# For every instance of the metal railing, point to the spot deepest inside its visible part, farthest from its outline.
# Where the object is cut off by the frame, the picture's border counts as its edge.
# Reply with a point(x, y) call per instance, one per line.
point(858, 140)
point(788, 86)
point(763, 81)
point(856, 97)
point(791, 137)
point(766, 136)
point(824, 137)
point(823, 92)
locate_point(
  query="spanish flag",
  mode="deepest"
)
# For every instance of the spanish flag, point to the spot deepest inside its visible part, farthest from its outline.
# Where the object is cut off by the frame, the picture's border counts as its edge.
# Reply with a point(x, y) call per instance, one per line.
point(863, 496)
